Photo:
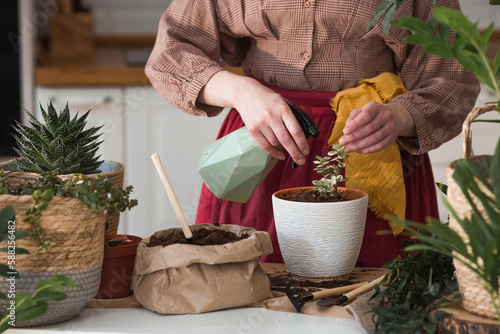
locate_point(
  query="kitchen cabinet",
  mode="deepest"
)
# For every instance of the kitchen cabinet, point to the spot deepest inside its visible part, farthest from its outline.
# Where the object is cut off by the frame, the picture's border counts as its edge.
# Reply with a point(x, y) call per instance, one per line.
point(138, 122)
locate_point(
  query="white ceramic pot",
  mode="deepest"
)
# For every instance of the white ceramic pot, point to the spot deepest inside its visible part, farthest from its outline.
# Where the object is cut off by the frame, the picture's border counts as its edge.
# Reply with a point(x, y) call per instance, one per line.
point(320, 239)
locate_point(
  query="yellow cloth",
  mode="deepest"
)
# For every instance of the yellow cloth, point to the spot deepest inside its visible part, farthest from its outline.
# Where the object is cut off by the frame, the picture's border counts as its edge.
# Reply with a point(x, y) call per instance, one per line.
point(380, 174)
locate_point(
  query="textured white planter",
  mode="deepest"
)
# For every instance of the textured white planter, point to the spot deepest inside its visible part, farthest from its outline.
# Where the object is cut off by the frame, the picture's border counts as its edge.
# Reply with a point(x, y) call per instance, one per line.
point(320, 239)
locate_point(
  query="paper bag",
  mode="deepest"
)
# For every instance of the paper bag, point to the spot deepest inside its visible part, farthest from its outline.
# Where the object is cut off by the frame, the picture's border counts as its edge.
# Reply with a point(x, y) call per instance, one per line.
point(187, 279)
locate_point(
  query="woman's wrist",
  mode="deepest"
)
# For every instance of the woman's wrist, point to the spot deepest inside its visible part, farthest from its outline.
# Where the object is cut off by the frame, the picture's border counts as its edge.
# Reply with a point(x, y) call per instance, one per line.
point(222, 89)
point(401, 115)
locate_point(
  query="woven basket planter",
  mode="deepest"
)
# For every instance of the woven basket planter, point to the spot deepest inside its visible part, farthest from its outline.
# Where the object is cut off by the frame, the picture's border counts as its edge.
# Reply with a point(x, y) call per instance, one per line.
point(112, 169)
point(75, 250)
point(475, 298)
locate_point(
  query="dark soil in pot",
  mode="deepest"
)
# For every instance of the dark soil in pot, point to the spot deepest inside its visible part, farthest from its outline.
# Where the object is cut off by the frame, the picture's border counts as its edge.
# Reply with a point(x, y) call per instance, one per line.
point(201, 237)
point(311, 196)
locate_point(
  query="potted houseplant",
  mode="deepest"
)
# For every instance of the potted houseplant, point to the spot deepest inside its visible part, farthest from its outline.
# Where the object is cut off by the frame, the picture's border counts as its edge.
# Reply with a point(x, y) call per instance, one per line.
point(472, 238)
point(60, 144)
point(65, 220)
point(321, 236)
point(118, 265)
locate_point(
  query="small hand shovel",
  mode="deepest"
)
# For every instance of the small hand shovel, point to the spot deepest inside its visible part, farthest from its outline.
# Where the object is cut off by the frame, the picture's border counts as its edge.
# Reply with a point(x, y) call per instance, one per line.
point(188, 234)
point(345, 298)
point(298, 301)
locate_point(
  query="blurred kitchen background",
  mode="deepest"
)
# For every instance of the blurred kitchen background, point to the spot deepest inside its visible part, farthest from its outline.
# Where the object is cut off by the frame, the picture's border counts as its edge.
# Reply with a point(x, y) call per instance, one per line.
point(91, 54)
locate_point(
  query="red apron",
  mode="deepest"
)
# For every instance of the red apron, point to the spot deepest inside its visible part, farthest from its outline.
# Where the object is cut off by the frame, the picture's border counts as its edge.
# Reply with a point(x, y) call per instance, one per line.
point(257, 212)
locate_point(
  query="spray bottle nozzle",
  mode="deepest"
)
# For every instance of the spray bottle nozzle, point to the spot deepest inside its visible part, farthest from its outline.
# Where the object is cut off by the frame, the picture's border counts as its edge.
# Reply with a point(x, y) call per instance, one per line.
point(306, 123)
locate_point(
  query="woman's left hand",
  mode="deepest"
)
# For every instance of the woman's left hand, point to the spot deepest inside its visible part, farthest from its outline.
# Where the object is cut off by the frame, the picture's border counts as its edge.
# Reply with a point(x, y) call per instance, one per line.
point(375, 126)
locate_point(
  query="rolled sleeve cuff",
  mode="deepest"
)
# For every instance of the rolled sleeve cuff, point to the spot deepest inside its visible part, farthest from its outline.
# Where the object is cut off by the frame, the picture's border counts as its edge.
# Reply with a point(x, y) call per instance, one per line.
point(200, 79)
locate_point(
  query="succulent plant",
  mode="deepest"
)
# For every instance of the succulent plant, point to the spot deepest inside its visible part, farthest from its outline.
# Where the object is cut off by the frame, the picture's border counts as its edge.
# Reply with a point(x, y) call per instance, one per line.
point(330, 167)
point(61, 145)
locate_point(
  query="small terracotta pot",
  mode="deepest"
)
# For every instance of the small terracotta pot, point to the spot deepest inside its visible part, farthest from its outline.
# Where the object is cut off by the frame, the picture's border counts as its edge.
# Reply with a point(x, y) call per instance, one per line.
point(320, 239)
point(118, 267)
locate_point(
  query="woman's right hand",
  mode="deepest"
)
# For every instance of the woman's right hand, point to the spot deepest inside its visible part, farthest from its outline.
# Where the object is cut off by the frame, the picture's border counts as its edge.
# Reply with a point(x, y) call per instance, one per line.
point(266, 115)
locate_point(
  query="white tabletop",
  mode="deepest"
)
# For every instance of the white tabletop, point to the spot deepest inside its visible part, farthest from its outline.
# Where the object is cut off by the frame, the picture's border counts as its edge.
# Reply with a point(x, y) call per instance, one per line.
point(240, 320)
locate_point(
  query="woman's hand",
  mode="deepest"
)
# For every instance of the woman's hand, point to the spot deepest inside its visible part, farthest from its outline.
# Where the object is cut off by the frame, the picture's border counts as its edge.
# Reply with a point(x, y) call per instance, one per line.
point(375, 126)
point(266, 115)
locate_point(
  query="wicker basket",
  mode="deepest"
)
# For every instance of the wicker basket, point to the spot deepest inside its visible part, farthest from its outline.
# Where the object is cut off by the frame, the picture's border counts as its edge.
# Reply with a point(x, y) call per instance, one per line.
point(76, 250)
point(475, 299)
point(112, 169)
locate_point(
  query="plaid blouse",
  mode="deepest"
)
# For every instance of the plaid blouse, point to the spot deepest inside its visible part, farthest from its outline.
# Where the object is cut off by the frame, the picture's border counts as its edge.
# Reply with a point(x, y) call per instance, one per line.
point(309, 45)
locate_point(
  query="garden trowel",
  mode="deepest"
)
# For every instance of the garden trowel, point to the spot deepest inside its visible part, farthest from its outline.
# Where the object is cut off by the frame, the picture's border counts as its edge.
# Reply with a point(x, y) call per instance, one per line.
point(234, 166)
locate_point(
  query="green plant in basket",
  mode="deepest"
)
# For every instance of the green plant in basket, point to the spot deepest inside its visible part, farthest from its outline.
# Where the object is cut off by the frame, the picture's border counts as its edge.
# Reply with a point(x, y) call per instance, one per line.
point(99, 194)
point(61, 144)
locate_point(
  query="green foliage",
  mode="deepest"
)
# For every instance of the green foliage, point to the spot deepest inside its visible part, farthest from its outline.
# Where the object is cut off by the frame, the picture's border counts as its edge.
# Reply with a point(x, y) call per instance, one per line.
point(387, 9)
point(417, 285)
point(60, 145)
point(331, 168)
point(468, 47)
point(482, 251)
point(98, 194)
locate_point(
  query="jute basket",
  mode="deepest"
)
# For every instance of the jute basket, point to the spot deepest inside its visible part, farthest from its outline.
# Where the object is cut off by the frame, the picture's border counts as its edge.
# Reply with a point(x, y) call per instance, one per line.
point(475, 299)
point(112, 169)
point(76, 250)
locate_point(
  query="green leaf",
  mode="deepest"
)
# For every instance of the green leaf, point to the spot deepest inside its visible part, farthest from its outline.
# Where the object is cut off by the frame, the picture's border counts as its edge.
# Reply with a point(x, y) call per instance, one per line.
point(117, 241)
point(496, 64)
point(18, 250)
point(389, 16)
point(5, 270)
point(443, 187)
point(413, 24)
point(23, 301)
point(6, 214)
point(485, 37)
point(66, 281)
point(381, 9)
point(32, 312)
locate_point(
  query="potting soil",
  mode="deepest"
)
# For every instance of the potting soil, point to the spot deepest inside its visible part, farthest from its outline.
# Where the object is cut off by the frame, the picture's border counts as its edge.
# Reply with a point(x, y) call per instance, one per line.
point(201, 237)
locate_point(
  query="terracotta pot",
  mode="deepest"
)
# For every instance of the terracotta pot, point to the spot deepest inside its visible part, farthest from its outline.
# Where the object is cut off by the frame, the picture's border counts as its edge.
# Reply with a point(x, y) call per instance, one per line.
point(320, 239)
point(118, 267)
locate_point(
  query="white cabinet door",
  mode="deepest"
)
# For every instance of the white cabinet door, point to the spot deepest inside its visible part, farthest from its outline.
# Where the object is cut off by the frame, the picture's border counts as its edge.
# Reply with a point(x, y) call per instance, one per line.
point(154, 126)
point(106, 105)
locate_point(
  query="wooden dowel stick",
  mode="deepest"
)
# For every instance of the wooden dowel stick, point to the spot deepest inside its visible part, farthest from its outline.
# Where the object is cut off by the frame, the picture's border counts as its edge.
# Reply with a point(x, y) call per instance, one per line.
point(171, 195)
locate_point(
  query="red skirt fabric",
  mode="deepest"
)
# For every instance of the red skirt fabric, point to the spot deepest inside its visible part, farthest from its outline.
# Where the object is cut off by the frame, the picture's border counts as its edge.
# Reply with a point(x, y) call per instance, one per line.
point(257, 212)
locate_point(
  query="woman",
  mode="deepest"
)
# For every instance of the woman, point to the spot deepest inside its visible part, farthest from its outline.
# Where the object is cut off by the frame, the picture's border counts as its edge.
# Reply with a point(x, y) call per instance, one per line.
point(306, 51)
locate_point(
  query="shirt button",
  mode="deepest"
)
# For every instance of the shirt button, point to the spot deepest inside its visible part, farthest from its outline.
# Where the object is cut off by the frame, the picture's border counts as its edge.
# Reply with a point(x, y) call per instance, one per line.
point(307, 4)
point(305, 55)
